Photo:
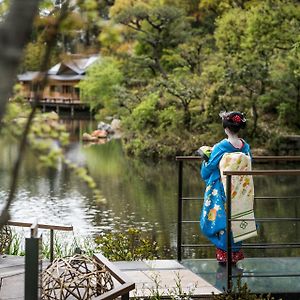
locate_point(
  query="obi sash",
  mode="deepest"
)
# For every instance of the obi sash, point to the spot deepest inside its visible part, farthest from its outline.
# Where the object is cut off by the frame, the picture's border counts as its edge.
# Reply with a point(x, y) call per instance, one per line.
point(242, 195)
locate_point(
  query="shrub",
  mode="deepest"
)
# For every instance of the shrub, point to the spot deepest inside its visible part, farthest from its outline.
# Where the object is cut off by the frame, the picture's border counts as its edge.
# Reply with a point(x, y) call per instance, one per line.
point(128, 245)
point(241, 291)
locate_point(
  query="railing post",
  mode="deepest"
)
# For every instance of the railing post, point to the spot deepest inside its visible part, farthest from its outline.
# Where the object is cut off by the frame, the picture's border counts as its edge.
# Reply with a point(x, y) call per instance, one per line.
point(179, 215)
point(51, 245)
point(228, 234)
point(32, 264)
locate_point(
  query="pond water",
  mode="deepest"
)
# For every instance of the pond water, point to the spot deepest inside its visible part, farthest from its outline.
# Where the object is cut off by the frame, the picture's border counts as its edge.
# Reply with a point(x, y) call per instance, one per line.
point(141, 194)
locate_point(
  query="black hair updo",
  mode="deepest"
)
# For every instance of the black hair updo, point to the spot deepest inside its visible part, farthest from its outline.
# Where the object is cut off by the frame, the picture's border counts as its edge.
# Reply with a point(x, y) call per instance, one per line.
point(233, 120)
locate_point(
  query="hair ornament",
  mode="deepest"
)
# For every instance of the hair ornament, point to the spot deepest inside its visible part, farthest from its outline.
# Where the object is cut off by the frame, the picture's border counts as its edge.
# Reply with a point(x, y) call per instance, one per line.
point(233, 120)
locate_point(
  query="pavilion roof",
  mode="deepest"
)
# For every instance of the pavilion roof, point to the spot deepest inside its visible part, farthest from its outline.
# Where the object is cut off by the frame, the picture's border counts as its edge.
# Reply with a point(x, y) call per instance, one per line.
point(69, 70)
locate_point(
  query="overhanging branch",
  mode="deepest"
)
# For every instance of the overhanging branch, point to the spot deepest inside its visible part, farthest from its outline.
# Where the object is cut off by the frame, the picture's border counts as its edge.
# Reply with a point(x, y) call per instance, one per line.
point(15, 31)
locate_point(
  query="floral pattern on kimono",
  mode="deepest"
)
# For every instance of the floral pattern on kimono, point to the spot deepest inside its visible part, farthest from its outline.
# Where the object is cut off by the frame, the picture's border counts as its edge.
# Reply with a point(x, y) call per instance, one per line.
point(213, 215)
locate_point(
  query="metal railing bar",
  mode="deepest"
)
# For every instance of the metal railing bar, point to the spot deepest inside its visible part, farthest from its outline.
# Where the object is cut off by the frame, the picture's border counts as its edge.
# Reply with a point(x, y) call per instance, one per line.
point(186, 221)
point(256, 219)
point(51, 245)
point(197, 245)
point(267, 275)
point(263, 172)
point(255, 158)
point(270, 246)
point(276, 198)
point(229, 174)
point(228, 234)
point(192, 198)
point(267, 219)
point(255, 198)
point(179, 210)
point(249, 246)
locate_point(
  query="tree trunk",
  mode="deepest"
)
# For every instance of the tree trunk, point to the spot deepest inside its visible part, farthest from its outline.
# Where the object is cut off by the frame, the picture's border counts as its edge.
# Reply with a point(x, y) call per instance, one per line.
point(158, 65)
point(187, 117)
point(255, 118)
point(298, 97)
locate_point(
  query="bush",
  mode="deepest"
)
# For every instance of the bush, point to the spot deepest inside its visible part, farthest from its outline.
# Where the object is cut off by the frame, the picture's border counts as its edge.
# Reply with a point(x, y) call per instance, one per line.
point(241, 292)
point(128, 245)
point(144, 116)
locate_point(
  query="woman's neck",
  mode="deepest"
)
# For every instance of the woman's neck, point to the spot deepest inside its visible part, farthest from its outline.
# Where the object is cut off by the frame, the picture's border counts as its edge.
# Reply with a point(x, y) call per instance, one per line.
point(233, 139)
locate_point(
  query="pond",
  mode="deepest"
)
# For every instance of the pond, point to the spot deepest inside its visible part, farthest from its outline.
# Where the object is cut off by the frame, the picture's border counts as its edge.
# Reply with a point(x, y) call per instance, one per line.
point(140, 194)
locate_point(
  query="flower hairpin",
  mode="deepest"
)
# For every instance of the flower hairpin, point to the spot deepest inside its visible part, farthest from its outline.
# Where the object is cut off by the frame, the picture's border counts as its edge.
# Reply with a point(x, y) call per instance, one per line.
point(237, 119)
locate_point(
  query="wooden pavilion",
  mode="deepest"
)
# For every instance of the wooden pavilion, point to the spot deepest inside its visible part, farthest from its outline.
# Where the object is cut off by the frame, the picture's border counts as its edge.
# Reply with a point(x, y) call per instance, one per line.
point(62, 89)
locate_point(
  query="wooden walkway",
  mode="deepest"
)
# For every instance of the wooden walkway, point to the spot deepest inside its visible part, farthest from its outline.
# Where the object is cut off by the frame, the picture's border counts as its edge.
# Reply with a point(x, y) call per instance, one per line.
point(12, 277)
point(158, 276)
point(198, 278)
point(166, 277)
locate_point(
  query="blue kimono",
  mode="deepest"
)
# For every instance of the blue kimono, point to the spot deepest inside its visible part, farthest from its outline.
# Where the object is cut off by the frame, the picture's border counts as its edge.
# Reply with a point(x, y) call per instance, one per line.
point(213, 216)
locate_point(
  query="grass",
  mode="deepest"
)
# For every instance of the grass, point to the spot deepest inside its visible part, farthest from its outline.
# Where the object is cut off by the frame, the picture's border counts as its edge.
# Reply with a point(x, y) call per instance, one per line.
point(132, 244)
point(64, 245)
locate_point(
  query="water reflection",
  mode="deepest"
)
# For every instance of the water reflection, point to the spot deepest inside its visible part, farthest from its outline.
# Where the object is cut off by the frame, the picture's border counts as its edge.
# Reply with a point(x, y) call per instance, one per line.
point(139, 193)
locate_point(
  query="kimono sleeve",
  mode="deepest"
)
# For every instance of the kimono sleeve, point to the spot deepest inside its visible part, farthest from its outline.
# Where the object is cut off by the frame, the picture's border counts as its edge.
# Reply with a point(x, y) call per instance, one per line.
point(248, 150)
point(208, 168)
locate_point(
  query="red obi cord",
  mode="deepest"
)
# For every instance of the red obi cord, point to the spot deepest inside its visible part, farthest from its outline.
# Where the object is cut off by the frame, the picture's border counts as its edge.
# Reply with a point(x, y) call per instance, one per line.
point(221, 256)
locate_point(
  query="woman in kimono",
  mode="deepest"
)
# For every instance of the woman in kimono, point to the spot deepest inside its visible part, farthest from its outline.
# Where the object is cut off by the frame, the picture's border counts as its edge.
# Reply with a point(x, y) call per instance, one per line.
point(213, 216)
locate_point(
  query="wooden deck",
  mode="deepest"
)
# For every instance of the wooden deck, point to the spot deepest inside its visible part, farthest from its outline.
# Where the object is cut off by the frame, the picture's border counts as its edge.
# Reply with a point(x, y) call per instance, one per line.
point(165, 277)
point(11, 277)
point(198, 278)
point(150, 277)
point(61, 104)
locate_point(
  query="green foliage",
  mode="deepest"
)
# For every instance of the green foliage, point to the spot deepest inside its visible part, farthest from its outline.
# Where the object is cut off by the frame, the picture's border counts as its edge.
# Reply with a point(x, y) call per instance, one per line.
point(196, 57)
point(158, 292)
point(64, 245)
point(170, 119)
point(47, 139)
point(144, 115)
point(157, 28)
point(241, 291)
point(99, 87)
point(128, 245)
point(33, 55)
point(244, 57)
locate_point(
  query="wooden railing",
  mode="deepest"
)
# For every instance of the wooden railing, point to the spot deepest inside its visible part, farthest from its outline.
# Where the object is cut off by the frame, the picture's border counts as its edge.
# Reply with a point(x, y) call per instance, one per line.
point(57, 100)
point(33, 264)
point(44, 226)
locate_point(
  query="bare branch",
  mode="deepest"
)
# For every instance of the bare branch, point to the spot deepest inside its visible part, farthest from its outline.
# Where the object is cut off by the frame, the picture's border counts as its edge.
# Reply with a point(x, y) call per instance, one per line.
point(15, 31)
point(51, 40)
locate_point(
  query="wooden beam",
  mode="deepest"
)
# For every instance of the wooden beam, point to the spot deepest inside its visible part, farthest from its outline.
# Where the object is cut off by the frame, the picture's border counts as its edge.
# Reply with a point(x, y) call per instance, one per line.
point(42, 226)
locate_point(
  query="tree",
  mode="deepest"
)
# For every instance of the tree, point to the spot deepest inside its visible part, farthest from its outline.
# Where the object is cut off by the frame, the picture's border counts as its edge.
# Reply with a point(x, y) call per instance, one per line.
point(40, 131)
point(248, 41)
point(185, 88)
point(100, 86)
point(158, 28)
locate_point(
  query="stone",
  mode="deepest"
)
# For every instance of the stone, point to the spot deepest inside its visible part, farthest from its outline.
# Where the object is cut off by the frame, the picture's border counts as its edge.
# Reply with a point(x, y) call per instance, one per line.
point(116, 124)
point(104, 126)
point(88, 137)
point(99, 133)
